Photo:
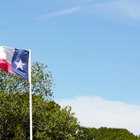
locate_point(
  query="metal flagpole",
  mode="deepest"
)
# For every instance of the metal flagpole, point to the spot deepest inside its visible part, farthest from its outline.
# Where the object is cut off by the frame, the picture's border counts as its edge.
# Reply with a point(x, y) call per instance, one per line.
point(30, 98)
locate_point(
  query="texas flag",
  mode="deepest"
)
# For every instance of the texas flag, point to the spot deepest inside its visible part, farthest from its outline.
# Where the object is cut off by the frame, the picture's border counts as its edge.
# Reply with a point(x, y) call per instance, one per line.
point(14, 61)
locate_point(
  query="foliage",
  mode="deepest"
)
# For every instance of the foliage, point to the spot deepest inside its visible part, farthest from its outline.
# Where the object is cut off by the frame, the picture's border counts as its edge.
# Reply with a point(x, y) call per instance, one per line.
point(104, 133)
point(41, 81)
point(50, 121)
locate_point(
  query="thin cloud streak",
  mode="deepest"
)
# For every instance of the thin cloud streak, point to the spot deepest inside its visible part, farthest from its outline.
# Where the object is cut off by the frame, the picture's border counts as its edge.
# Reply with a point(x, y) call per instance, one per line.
point(117, 9)
point(98, 112)
point(64, 12)
point(127, 8)
point(61, 13)
point(130, 9)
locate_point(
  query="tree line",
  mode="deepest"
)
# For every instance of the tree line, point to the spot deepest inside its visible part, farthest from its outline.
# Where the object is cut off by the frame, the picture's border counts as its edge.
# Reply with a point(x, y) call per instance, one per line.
point(50, 121)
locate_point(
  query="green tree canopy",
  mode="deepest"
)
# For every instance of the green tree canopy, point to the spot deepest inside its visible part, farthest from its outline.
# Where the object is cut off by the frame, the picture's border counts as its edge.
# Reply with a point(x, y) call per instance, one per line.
point(104, 133)
point(50, 121)
point(41, 81)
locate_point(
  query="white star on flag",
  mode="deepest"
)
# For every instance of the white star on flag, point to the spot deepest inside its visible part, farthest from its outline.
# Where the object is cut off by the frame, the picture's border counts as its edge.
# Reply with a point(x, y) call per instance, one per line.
point(19, 64)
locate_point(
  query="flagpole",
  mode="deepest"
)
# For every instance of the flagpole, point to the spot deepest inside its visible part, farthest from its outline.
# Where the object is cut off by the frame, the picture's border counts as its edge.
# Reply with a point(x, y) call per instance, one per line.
point(30, 98)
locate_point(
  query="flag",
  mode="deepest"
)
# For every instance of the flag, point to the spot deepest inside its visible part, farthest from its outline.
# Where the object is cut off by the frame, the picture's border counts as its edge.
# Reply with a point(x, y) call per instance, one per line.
point(15, 61)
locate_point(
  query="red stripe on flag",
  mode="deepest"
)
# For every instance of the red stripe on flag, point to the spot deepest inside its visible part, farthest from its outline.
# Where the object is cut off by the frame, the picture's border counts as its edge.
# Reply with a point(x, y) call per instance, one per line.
point(5, 66)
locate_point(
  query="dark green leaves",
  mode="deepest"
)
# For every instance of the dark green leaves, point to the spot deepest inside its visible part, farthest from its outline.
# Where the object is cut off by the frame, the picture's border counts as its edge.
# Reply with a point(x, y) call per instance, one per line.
point(50, 121)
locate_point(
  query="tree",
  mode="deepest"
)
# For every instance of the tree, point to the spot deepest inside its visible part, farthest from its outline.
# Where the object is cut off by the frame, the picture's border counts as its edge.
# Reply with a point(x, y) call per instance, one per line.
point(114, 134)
point(86, 133)
point(104, 133)
point(50, 121)
point(41, 81)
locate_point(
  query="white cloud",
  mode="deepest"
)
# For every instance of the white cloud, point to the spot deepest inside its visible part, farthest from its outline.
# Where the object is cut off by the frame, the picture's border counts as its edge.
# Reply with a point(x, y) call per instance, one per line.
point(98, 112)
point(131, 9)
point(112, 9)
point(63, 12)
point(116, 9)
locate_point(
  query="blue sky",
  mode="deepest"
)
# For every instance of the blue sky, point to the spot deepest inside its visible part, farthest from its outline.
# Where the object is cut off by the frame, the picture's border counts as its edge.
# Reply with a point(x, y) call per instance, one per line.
point(91, 47)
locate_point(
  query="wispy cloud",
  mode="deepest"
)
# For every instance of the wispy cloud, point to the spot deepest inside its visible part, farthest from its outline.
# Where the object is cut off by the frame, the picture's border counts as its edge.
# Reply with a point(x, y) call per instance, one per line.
point(98, 112)
point(112, 9)
point(63, 12)
point(116, 9)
